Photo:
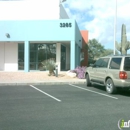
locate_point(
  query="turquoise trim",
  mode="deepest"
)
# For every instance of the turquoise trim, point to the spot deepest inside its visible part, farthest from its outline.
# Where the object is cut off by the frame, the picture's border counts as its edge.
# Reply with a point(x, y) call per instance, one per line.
point(72, 55)
point(26, 56)
point(38, 30)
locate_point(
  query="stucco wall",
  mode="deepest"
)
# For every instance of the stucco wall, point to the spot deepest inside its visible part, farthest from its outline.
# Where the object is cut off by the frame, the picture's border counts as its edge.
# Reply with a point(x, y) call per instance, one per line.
point(37, 30)
point(78, 36)
point(63, 14)
point(84, 34)
point(29, 10)
point(1, 56)
point(11, 56)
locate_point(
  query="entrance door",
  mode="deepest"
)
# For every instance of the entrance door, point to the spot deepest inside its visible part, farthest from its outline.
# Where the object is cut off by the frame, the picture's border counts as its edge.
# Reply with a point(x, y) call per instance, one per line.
point(63, 58)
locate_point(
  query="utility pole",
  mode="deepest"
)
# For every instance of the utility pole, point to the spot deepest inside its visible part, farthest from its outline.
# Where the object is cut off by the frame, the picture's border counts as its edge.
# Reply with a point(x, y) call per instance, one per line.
point(115, 24)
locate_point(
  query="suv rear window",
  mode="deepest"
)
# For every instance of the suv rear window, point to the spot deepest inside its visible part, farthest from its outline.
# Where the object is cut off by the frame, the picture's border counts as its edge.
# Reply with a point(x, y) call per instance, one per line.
point(127, 64)
point(115, 63)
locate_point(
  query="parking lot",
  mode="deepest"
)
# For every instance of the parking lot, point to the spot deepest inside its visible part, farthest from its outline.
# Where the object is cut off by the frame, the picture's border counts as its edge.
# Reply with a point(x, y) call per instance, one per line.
point(61, 107)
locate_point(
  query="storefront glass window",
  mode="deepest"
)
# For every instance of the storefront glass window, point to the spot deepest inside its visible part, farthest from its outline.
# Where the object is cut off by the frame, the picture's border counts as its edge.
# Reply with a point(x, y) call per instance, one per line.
point(21, 56)
point(38, 53)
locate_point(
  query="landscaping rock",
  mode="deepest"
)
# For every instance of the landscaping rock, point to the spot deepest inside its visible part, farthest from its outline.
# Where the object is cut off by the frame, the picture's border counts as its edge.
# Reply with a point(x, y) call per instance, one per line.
point(71, 74)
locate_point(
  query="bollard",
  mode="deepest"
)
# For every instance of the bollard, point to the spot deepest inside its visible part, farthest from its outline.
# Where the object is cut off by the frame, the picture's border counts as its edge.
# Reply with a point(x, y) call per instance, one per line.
point(56, 67)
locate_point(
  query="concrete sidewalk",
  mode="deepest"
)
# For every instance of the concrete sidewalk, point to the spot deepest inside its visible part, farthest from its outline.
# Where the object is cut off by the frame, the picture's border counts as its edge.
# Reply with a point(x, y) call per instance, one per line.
point(36, 78)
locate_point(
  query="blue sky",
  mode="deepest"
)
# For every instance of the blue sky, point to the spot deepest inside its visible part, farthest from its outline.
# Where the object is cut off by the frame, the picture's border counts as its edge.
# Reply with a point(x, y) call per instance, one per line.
point(96, 16)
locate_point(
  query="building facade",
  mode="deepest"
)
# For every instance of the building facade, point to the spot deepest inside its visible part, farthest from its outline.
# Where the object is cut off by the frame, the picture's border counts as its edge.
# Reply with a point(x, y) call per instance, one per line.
point(25, 43)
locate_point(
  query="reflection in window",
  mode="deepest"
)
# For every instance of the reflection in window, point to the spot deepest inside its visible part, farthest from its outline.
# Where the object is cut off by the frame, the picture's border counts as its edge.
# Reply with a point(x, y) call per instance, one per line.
point(127, 64)
point(21, 56)
point(63, 58)
point(105, 62)
point(115, 63)
point(98, 63)
point(38, 53)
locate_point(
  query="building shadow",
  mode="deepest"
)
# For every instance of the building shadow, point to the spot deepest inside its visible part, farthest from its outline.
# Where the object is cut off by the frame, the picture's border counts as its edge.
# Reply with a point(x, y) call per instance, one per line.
point(99, 87)
point(121, 92)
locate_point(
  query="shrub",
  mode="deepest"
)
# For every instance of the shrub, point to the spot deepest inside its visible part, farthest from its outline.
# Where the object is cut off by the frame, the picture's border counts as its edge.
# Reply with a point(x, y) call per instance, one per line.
point(50, 65)
point(80, 71)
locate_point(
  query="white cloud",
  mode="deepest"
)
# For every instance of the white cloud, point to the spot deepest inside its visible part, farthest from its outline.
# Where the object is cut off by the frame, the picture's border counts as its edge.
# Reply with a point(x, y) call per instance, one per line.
point(99, 18)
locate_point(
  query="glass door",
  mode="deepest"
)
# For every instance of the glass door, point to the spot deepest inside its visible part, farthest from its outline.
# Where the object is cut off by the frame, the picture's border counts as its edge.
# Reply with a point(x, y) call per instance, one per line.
point(63, 58)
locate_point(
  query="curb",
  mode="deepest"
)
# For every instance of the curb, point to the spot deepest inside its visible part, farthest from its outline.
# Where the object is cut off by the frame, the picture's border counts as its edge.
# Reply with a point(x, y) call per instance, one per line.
point(41, 83)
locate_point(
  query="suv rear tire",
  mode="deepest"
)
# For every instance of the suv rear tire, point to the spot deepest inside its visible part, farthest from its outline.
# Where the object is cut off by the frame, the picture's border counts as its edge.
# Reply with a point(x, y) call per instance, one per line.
point(88, 83)
point(110, 88)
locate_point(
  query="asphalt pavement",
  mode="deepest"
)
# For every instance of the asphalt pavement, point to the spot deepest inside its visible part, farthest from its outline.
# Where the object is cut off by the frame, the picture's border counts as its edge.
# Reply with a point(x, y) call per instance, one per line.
point(61, 107)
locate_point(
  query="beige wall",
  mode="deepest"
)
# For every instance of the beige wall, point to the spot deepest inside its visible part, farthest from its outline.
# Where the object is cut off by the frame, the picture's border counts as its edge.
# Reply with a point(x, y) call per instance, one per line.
point(1, 56)
point(9, 56)
point(58, 55)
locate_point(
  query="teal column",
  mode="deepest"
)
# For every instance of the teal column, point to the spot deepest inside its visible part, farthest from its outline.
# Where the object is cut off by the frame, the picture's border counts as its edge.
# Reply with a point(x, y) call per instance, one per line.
point(26, 56)
point(72, 55)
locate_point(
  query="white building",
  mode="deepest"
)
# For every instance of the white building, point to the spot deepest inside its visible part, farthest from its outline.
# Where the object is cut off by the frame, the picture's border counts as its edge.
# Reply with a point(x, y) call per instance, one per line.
point(33, 31)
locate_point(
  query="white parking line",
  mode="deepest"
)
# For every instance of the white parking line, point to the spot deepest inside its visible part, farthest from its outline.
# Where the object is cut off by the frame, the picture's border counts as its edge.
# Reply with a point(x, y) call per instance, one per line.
point(45, 93)
point(93, 91)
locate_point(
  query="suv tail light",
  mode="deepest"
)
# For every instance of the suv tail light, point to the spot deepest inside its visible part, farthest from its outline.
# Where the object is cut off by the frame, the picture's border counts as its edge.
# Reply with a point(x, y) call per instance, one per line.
point(122, 75)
